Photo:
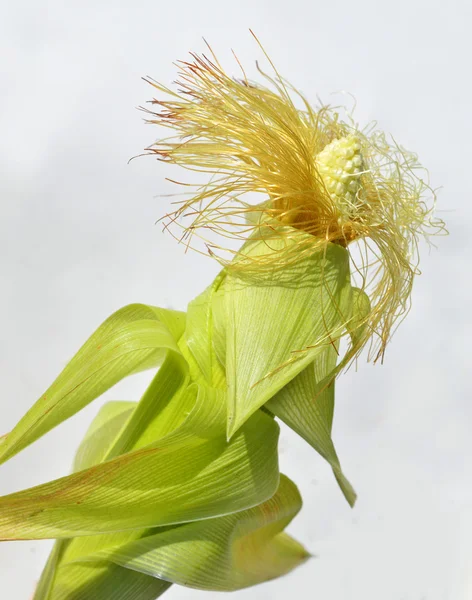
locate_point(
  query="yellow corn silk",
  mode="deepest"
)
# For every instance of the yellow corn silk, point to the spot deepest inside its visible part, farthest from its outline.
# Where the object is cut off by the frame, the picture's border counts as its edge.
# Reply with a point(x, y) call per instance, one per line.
point(183, 487)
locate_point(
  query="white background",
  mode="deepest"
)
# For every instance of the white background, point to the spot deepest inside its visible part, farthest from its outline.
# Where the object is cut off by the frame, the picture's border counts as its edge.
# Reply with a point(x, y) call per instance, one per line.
point(77, 241)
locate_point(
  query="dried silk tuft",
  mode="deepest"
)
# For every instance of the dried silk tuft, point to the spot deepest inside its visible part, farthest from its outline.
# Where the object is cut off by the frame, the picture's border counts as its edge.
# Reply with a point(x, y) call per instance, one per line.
point(317, 174)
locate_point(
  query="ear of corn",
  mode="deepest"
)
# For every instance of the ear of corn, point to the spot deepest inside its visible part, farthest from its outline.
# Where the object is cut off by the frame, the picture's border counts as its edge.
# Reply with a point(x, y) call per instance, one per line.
point(183, 486)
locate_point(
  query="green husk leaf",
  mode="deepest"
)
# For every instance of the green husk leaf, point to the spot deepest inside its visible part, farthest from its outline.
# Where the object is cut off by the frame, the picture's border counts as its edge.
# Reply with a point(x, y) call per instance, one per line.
point(306, 405)
point(94, 580)
point(46, 582)
point(163, 407)
point(188, 475)
point(277, 322)
point(135, 338)
point(223, 554)
point(199, 334)
point(102, 580)
point(106, 426)
point(360, 311)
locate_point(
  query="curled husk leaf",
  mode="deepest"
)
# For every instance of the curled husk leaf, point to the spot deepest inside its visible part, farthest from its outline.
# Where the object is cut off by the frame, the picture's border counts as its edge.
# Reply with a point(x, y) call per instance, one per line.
point(313, 173)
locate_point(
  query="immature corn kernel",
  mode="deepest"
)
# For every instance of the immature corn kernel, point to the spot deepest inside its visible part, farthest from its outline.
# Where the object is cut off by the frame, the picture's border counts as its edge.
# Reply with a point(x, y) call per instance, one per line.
point(340, 165)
